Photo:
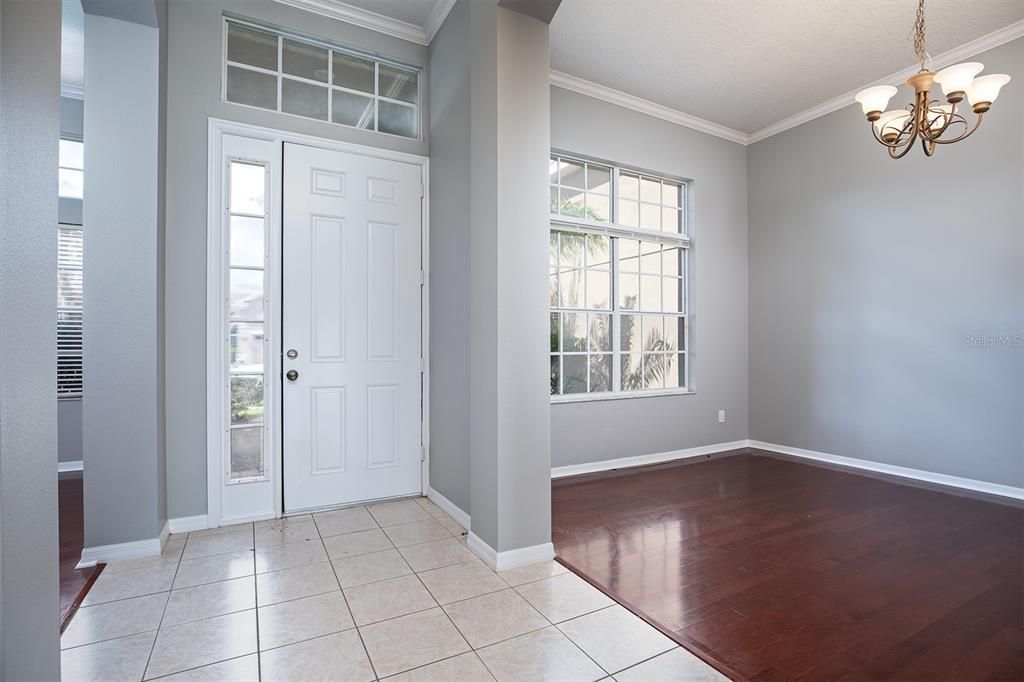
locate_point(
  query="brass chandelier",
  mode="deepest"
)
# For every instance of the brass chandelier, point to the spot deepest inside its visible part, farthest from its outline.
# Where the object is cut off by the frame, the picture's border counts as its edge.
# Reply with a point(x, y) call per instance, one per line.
point(926, 119)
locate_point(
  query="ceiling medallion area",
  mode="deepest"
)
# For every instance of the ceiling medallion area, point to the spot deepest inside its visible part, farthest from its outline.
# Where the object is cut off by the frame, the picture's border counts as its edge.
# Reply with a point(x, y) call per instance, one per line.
point(926, 119)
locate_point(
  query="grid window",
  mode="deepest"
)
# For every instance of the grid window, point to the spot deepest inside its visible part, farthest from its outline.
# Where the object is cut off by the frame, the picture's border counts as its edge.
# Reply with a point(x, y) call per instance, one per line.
point(618, 293)
point(651, 203)
point(297, 76)
point(246, 342)
point(580, 189)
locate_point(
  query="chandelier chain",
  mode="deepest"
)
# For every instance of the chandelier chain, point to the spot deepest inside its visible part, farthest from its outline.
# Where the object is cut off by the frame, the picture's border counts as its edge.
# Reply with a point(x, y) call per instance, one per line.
point(919, 46)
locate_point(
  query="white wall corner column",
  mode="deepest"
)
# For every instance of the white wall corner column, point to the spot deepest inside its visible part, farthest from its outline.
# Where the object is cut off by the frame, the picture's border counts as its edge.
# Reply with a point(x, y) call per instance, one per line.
point(122, 377)
point(29, 128)
point(510, 444)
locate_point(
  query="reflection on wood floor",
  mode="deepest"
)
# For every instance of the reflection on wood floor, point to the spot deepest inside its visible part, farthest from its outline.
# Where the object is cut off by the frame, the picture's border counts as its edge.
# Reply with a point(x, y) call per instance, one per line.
point(72, 538)
point(773, 569)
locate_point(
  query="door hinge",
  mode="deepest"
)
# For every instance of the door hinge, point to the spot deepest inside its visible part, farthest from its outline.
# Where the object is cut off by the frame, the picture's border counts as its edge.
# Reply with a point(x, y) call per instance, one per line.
point(423, 454)
point(423, 364)
point(423, 191)
point(423, 278)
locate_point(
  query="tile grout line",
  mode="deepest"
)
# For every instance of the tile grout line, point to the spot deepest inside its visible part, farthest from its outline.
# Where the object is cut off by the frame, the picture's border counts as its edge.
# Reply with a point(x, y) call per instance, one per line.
point(457, 630)
point(256, 605)
point(344, 598)
point(309, 596)
point(608, 673)
point(507, 586)
point(163, 613)
point(177, 564)
point(198, 667)
point(414, 572)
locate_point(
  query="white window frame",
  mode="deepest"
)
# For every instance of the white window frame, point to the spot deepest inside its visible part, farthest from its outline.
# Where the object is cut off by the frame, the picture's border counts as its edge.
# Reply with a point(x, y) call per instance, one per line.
point(77, 140)
point(329, 85)
point(613, 229)
point(262, 498)
point(253, 498)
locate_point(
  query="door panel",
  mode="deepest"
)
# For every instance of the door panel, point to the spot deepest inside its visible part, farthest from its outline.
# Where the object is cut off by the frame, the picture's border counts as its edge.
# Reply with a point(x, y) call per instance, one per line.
point(352, 313)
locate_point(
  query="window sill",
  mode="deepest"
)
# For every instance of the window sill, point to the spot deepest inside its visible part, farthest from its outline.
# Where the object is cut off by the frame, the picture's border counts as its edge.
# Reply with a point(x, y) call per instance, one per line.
point(594, 397)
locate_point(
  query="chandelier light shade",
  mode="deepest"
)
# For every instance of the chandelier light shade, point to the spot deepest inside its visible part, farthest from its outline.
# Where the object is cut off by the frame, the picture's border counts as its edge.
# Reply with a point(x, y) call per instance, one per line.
point(926, 119)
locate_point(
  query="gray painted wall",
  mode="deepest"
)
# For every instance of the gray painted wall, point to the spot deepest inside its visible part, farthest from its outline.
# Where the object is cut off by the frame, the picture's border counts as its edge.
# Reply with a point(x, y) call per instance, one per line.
point(121, 380)
point(867, 274)
point(490, 142)
point(193, 96)
point(449, 257)
point(523, 435)
point(69, 430)
point(29, 129)
point(69, 412)
point(509, 145)
point(602, 430)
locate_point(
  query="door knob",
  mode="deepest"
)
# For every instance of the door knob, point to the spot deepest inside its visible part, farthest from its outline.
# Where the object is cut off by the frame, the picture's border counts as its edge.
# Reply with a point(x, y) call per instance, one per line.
point(292, 375)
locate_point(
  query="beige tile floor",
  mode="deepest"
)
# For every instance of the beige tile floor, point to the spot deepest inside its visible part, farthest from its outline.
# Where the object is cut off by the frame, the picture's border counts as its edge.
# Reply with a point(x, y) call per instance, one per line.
point(384, 591)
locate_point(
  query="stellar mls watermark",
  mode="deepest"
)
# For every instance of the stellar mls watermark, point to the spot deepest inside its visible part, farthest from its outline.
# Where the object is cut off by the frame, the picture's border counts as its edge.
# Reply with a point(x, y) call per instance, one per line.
point(994, 341)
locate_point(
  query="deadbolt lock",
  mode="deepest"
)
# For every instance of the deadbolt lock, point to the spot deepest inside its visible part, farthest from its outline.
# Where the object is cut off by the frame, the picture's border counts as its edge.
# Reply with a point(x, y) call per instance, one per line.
point(292, 354)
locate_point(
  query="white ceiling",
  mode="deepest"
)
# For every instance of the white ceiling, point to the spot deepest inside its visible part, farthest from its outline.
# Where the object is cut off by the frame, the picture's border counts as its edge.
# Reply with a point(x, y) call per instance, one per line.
point(746, 64)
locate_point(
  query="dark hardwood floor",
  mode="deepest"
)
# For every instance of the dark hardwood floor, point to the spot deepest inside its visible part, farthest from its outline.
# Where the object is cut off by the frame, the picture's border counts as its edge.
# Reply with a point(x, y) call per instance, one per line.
point(777, 570)
point(73, 582)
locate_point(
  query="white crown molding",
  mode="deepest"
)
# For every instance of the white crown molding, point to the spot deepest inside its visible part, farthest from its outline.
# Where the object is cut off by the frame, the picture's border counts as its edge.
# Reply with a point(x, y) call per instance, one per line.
point(957, 54)
point(364, 18)
point(436, 18)
point(72, 90)
point(622, 99)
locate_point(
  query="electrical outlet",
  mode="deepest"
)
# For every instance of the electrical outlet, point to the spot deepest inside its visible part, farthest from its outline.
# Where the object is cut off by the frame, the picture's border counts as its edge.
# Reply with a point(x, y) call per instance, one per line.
point(721, 416)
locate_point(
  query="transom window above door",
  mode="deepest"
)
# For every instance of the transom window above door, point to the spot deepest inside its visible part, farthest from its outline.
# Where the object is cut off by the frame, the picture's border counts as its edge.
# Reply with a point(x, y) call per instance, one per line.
point(618, 270)
point(272, 70)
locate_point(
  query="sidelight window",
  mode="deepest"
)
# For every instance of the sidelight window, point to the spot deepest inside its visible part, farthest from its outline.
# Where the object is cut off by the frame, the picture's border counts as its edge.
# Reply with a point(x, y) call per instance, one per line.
point(246, 342)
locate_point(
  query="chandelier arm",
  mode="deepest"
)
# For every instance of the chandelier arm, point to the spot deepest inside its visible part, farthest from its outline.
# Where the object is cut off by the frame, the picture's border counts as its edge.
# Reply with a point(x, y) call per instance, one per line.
point(909, 127)
point(892, 145)
point(948, 120)
point(977, 122)
point(910, 145)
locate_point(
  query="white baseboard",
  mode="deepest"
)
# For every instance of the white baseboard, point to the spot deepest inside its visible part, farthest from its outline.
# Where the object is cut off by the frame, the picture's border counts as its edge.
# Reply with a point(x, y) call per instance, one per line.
point(645, 460)
point(448, 507)
point(975, 485)
point(67, 467)
point(513, 558)
point(184, 524)
point(120, 551)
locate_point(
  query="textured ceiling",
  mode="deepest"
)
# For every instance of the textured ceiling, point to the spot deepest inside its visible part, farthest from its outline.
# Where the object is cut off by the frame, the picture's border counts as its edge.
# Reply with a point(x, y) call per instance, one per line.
point(413, 12)
point(746, 64)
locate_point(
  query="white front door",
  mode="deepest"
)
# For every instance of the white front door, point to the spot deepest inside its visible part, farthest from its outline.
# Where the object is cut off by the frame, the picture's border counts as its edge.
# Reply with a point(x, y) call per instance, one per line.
point(351, 328)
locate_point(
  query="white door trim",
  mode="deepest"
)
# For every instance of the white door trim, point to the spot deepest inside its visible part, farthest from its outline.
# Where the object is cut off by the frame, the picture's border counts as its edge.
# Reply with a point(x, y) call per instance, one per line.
point(217, 129)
